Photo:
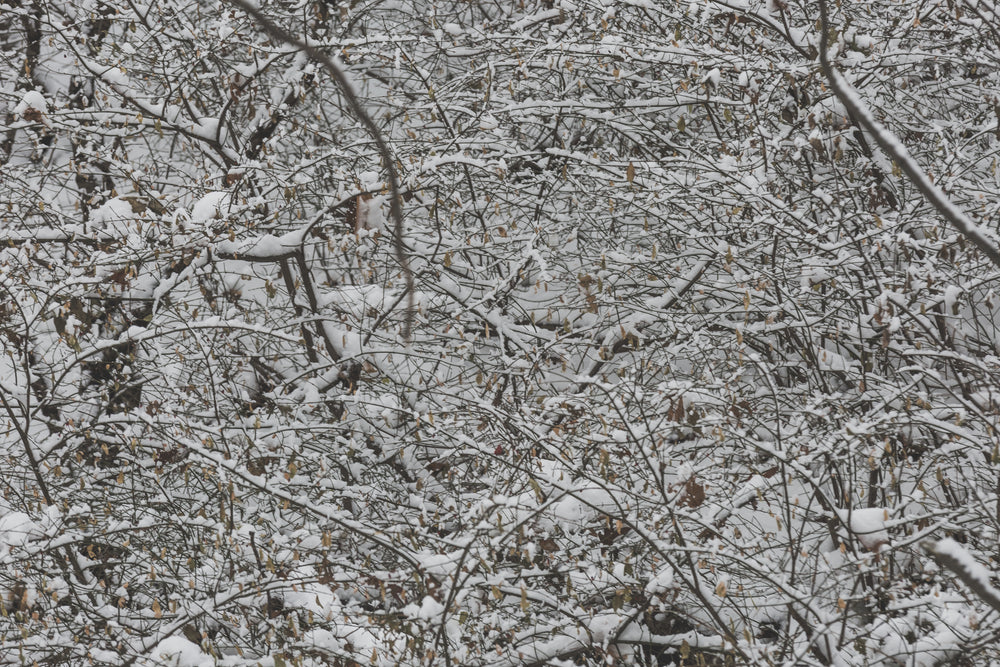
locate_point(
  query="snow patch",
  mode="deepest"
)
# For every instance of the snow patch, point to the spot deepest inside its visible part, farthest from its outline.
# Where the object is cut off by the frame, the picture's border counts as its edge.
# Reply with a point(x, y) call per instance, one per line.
point(179, 652)
point(31, 100)
point(868, 524)
point(209, 207)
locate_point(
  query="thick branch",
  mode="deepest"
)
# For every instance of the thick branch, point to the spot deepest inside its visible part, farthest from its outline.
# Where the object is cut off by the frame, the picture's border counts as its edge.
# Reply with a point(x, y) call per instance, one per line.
point(889, 143)
point(950, 555)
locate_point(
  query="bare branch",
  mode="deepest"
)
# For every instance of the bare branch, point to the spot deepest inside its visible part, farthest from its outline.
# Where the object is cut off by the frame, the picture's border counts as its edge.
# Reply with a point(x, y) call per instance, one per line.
point(849, 97)
point(396, 200)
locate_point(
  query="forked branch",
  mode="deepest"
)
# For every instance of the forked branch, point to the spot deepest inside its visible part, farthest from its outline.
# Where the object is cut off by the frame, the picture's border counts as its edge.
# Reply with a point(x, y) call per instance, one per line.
point(395, 199)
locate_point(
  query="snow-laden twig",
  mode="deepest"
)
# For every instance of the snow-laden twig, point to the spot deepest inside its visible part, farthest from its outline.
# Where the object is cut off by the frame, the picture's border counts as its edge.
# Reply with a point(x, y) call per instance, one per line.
point(950, 555)
point(889, 143)
point(395, 199)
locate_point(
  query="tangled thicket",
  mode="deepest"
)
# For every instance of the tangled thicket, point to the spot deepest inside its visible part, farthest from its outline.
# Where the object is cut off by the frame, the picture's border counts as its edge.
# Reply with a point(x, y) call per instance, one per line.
point(693, 370)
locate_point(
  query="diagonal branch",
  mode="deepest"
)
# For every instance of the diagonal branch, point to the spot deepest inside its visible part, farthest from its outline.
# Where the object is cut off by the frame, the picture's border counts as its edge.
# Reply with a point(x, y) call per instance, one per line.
point(335, 71)
point(889, 143)
point(950, 555)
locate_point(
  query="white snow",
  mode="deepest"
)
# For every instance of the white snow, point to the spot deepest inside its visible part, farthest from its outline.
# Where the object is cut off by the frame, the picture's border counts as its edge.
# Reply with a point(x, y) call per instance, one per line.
point(868, 524)
point(902, 157)
point(209, 207)
point(179, 652)
point(31, 100)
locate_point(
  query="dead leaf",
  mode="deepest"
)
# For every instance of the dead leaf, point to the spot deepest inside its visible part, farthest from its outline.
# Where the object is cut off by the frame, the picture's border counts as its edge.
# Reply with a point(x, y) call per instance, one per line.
point(694, 493)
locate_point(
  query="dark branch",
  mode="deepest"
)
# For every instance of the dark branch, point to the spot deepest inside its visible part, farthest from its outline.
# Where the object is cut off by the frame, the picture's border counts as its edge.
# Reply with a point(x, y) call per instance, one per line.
point(395, 205)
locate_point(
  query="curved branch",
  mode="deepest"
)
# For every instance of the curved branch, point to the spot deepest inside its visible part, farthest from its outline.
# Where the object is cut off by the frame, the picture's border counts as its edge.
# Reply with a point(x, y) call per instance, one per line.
point(335, 71)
